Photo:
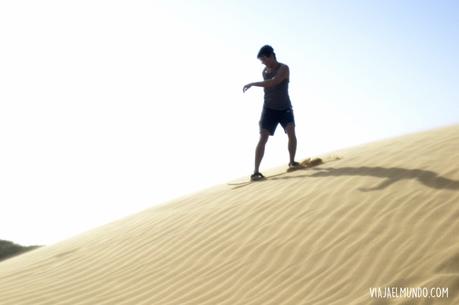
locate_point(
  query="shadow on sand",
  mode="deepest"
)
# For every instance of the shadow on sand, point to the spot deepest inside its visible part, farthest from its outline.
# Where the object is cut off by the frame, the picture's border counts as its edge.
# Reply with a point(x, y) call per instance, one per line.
point(391, 175)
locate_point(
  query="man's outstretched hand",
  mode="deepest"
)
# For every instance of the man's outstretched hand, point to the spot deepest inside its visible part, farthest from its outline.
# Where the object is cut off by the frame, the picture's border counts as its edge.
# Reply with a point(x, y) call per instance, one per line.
point(246, 87)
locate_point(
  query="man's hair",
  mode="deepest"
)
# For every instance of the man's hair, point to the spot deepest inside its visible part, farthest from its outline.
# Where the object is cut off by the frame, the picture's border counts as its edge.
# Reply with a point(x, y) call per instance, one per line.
point(267, 51)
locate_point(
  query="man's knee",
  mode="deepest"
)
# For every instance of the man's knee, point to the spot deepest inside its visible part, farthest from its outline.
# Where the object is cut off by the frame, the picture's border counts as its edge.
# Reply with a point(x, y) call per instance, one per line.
point(264, 136)
point(290, 130)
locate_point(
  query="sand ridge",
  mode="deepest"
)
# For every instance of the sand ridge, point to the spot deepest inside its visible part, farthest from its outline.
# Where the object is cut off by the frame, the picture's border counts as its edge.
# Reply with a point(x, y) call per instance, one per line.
point(386, 214)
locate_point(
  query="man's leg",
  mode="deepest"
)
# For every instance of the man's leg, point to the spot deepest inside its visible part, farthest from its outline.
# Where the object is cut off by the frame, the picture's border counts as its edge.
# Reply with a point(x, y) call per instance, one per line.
point(260, 150)
point(290, 130)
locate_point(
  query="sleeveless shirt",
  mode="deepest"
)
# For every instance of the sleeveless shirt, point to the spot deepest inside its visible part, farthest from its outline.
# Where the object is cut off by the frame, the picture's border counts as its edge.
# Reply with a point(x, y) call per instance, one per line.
point(276, 97)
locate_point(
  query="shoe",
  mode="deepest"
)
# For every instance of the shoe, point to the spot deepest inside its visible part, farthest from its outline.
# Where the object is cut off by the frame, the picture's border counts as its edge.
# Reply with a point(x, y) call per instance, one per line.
point(293, 164)
point(257, 177)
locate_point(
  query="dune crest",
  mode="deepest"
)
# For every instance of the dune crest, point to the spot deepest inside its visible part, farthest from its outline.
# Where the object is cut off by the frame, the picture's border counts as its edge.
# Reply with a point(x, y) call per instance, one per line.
point(385, 215)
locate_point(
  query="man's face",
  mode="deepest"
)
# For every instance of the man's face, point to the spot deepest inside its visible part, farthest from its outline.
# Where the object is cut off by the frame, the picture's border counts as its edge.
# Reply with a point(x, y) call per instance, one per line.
point(267, 60)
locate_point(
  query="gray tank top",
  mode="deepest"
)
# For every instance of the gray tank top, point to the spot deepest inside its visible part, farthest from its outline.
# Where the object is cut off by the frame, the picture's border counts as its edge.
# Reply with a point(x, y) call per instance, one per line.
point(276, 97)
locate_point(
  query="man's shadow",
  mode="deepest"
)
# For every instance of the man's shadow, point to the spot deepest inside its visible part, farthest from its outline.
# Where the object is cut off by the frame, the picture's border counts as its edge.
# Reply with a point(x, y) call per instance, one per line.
point(391, 175)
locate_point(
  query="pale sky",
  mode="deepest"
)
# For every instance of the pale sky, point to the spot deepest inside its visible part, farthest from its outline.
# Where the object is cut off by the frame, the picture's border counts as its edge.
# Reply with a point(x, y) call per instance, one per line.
point(111, 107)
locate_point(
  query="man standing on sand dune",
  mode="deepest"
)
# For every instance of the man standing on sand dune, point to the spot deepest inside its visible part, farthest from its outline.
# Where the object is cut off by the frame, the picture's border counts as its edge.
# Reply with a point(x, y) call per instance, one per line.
point(277, 107)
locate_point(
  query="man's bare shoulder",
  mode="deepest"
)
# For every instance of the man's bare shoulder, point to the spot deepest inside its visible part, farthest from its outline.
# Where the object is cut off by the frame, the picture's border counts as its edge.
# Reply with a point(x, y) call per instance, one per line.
point(283, 66)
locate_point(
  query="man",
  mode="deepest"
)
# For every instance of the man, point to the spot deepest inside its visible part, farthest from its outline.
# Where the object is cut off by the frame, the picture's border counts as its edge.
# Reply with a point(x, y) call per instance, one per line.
point(277, 107)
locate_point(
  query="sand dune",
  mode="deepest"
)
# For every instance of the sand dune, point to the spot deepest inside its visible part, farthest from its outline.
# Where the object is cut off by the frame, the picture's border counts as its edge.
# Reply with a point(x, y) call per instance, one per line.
point(385, 215)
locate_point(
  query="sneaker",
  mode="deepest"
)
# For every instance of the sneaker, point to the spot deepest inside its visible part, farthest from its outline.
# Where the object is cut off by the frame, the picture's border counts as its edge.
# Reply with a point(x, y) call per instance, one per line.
point(293, 164)
point(257, 177)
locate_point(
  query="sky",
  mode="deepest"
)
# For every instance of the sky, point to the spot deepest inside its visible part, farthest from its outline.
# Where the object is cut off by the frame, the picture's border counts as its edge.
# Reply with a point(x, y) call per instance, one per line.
point(108, 108)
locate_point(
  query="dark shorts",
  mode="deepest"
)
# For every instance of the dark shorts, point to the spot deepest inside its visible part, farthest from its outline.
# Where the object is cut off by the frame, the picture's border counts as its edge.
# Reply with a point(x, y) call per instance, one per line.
point(270, 118)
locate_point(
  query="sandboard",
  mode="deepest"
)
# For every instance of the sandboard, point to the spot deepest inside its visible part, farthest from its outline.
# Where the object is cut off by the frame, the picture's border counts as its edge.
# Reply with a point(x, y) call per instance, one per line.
point(308, 163)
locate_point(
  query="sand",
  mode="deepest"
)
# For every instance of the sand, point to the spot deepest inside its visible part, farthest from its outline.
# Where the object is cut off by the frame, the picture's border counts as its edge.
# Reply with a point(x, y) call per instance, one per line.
point(385, 215)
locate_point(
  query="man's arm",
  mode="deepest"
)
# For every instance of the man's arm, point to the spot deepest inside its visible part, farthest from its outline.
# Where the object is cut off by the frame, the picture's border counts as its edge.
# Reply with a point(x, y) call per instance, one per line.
point(281, 74)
